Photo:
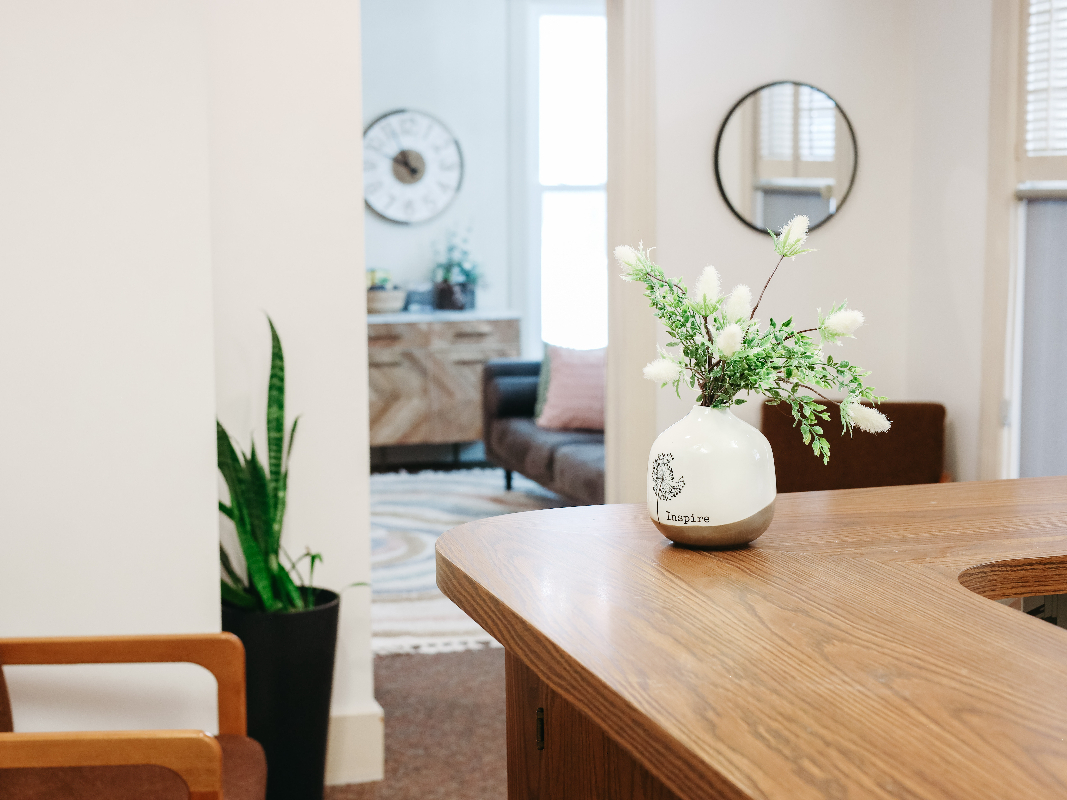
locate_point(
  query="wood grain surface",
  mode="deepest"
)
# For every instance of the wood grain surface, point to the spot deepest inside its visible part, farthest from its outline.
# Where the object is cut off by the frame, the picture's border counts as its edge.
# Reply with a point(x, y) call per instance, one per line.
point(576, 758)
point(425, 378)
point(838, 656)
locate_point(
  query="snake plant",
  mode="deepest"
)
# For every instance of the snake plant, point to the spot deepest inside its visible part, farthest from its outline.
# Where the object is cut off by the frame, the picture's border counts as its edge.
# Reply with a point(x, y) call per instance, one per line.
point(257, 508)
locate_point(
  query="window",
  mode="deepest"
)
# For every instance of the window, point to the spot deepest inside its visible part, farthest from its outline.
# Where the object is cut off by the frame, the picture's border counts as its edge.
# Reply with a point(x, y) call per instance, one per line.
point(817, 118)
point(1046, 79)
point(776, 122)
point(572, 166)
point(796, 119)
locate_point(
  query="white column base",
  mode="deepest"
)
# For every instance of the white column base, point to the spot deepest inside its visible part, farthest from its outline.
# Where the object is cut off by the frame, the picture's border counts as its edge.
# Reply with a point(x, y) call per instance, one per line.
point(355, 751)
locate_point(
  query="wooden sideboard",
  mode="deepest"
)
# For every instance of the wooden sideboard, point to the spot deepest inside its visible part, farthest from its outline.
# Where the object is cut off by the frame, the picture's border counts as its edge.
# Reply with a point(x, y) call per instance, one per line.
point(853, 651)
point(425, 373)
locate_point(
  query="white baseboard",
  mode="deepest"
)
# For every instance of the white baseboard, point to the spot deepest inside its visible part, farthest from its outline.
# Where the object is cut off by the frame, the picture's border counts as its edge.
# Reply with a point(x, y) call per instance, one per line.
point(355, 752)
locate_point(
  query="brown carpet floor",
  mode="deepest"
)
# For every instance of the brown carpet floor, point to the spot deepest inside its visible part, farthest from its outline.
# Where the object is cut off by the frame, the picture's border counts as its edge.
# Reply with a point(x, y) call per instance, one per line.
point(444, 728)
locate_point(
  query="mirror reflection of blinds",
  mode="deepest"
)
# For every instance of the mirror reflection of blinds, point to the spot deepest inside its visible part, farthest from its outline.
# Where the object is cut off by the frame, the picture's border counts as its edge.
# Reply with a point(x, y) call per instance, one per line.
point(1046, 79)
point(816, 120)
point(776, 122)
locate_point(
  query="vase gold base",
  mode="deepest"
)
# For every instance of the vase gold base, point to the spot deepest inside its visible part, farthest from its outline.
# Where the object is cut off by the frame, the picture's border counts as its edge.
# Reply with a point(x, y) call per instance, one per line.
point(733, 534)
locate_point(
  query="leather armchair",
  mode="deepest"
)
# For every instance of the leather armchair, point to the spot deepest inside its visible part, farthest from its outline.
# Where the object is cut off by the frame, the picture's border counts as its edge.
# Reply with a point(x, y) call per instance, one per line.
point(123, 765)
point(912, 451)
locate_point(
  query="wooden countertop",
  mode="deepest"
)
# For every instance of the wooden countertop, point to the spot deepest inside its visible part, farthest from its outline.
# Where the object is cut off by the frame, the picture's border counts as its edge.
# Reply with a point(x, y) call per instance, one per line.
point(839, 656)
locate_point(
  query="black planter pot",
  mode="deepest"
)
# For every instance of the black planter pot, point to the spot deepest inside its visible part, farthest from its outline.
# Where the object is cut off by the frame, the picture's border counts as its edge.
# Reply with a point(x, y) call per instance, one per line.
point(289, 676)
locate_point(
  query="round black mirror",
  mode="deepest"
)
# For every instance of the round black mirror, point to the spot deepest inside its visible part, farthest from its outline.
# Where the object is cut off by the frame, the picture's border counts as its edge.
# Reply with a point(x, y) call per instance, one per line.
point(785, 149)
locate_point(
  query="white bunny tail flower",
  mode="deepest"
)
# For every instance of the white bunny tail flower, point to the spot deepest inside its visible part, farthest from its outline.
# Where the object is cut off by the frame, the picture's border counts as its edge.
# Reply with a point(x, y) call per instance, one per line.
point(797, 229)
point(843, 323)
point(707, 285)
point(626, 255)
point(662, 370)
point(739, 304)
point(864, 417)
point(729, 340)
point(630, 260)
point(790, 241)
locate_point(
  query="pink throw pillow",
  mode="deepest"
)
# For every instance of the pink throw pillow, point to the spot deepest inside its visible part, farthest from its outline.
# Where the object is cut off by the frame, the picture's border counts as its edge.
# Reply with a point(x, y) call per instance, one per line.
point(575, 398)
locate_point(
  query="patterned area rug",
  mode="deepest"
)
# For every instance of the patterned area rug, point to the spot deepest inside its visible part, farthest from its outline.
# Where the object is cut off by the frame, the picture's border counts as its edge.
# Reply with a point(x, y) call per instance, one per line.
point(408, 512)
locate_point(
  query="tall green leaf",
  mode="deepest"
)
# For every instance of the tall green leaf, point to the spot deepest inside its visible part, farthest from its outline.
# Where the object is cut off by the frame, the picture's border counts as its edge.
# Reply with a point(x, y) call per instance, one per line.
point(289, 590)
point(279, 512)
point(236, 597)
point(227, 567)
point(234, 474)
point(292, 436)
point(275, 408)
point(258, 502)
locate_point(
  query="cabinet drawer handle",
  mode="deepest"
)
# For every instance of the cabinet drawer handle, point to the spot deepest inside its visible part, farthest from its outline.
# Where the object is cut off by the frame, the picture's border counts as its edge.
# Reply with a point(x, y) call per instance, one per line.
point(386, 337)
point(478, 361)
point(387, 363)
point(463, 334)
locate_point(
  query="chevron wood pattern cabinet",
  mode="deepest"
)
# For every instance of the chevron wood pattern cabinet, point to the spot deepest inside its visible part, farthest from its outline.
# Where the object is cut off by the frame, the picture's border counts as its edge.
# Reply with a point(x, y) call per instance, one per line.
point(425, 373)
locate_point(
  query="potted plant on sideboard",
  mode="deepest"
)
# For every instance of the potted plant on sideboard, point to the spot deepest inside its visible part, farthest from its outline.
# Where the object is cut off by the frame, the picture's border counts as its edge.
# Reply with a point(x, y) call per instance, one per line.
point(288, 626)
point(455, 277)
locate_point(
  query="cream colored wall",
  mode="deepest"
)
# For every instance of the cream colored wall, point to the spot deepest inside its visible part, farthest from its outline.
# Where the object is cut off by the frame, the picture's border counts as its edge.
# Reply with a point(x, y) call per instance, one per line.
point(909, 246)
point(950, 163)
point(171, 171)
point(287, 239)
point(108, 519)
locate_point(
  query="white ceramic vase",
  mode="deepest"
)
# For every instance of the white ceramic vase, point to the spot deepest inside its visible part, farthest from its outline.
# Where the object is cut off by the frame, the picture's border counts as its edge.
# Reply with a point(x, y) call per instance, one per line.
point(711, 480)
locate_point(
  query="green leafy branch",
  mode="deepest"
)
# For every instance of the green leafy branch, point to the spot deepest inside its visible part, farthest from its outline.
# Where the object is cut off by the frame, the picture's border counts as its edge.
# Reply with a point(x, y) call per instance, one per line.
point(717, 347)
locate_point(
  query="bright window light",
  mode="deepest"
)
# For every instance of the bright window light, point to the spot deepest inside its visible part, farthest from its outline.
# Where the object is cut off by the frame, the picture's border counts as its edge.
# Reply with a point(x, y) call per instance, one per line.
point(574, 269)
point(818, 125)
point(573, 100)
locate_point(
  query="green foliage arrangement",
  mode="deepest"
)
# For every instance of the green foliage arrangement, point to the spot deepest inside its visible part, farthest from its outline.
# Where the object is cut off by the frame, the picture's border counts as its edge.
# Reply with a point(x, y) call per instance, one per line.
point(719, 348)
point(257, 508)
point(454, 264)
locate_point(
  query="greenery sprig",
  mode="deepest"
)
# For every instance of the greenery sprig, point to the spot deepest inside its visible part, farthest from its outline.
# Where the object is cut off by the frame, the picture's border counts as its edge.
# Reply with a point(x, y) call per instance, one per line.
point(719, 348)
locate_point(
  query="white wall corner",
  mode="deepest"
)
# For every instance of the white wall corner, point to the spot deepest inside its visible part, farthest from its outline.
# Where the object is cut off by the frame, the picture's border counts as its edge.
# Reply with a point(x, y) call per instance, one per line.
point(630, 414)
point(355, 751)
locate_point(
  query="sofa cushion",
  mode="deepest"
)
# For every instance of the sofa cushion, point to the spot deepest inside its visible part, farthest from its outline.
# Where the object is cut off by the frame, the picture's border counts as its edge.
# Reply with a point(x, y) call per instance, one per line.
point(575, 396)
point(579, 472)
point(525, 447)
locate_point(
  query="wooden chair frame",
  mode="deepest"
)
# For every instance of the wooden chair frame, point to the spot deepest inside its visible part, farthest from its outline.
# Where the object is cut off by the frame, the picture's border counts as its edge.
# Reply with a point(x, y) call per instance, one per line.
point(194, 755)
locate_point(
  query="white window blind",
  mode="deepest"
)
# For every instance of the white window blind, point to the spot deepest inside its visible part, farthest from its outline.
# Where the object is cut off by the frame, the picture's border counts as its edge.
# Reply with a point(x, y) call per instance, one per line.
point(1046, 79)
point(776, 122)
point(817, 117)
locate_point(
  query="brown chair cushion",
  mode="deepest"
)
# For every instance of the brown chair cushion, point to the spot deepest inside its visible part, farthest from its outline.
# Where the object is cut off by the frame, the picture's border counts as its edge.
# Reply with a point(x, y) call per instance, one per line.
point(912, 451)
point(244, 768)
point(244, 777)
point(92, 783)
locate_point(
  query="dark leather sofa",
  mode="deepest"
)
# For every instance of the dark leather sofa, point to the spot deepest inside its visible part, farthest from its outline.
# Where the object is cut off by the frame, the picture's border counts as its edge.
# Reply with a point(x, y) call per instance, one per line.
point(570, 463)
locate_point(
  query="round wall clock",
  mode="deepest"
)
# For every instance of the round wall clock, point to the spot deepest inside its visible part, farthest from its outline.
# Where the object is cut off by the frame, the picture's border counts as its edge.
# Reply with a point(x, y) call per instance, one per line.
point(412, 166)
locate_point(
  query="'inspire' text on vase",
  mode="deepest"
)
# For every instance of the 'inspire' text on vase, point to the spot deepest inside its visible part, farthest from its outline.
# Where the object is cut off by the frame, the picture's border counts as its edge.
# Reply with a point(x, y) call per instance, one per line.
point(686, 519)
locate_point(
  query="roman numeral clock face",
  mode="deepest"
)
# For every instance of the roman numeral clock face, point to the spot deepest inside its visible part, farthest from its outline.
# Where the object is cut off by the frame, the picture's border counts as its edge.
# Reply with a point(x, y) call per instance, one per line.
point(412, 166)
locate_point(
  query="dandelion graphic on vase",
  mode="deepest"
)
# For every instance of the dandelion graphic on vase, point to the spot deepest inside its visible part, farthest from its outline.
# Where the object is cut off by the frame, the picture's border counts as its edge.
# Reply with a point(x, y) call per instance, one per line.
point(721, 350)
point(664, 484)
